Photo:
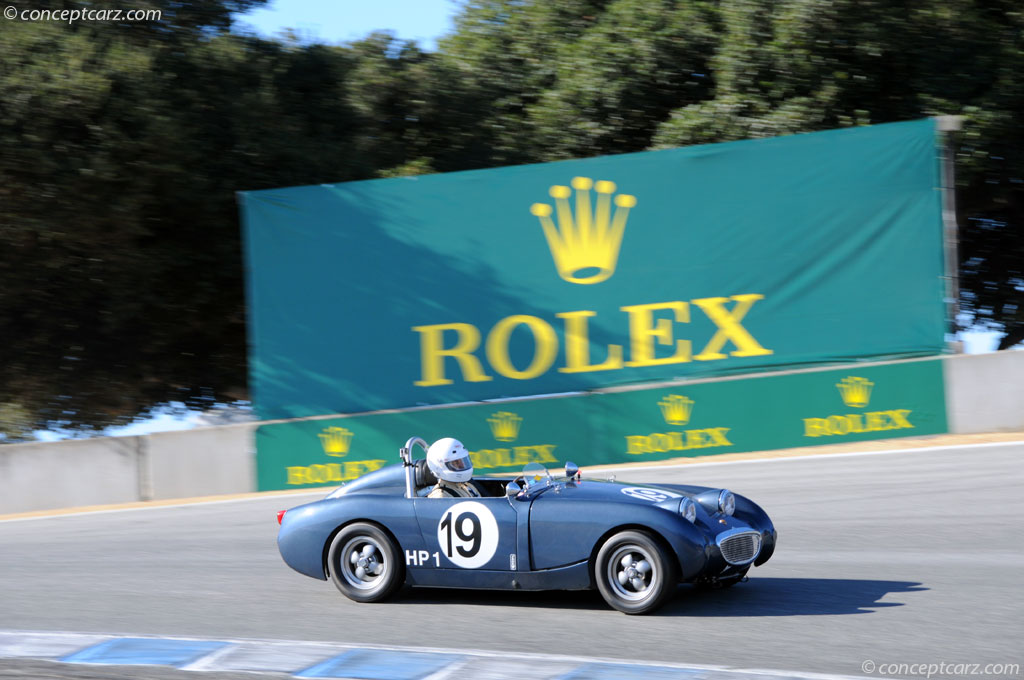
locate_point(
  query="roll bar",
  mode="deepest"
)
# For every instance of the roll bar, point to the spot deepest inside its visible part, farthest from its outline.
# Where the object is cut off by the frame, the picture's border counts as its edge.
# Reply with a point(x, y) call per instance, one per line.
point(405, 453)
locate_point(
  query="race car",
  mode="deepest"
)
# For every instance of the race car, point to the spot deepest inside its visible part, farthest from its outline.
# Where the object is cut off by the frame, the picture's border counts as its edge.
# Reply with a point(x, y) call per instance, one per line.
point(633, 542)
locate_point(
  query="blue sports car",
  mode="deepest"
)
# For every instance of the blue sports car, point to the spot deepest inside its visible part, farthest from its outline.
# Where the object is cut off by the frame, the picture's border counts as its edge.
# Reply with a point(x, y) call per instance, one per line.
point(633, 542)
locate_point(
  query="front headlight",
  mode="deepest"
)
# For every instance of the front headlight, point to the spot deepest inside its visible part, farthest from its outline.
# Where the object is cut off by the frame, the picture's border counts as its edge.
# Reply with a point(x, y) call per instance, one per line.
point(727, 502)
point(688, 509)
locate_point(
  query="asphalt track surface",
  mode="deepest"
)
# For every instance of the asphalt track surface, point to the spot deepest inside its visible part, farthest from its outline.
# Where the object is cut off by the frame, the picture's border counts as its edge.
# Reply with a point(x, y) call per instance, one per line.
point(910, 557)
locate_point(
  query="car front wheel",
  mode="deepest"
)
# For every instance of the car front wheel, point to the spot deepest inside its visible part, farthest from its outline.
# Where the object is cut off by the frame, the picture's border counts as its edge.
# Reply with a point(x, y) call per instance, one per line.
point(634, 573)
point(363, 563)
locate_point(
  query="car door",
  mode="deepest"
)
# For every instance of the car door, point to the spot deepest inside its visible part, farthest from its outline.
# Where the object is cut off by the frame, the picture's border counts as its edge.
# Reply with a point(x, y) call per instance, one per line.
point(467, 533)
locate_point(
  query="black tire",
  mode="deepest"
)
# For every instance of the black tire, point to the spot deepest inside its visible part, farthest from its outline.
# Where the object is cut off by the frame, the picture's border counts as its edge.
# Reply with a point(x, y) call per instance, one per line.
point(622, 579)
point(363, 563)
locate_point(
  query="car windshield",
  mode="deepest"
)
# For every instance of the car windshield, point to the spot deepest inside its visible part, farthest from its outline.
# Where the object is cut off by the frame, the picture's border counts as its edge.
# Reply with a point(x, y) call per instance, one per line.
point(536, 476)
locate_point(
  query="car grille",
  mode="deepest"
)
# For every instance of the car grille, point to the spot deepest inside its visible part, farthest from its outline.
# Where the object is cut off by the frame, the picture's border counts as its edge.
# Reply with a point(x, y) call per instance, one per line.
point(740, 548)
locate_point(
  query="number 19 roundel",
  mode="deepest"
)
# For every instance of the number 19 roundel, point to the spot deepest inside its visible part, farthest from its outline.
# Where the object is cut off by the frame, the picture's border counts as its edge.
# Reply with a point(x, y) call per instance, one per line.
point(468, 534)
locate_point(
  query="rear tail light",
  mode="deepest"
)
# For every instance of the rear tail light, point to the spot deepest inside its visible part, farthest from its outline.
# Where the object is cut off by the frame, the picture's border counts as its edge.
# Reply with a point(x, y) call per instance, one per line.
point(280, 515)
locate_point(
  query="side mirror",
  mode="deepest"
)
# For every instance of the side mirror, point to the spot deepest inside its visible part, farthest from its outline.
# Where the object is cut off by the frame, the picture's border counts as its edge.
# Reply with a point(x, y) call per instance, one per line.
point(571, 469)
point(512, 489)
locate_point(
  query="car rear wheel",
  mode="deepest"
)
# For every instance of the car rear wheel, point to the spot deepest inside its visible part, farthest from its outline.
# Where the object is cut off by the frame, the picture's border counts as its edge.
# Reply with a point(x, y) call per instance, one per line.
point(634, 573)
point(363, 563)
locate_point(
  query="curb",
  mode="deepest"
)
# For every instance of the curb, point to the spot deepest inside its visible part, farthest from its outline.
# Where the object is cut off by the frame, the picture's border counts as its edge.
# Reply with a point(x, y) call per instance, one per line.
point(365, 662)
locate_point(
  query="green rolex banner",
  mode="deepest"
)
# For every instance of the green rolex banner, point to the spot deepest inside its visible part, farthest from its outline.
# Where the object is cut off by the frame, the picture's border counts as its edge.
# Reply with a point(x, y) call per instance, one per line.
point(500, 437)
point(575, 275)
point(771, 411)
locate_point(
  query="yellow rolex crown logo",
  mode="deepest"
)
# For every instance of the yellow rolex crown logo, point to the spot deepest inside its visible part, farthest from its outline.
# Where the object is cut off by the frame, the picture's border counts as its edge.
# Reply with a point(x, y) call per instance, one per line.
point(335, 440)
point(505, 426)
point(855, 391)
point(585, 246)
point(676, 409)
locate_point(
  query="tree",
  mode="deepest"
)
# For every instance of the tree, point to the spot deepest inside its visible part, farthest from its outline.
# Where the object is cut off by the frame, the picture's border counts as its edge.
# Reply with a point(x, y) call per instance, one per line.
point(121, 156)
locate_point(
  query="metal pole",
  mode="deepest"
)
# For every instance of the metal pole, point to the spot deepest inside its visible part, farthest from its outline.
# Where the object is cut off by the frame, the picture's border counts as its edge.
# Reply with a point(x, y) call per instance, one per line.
point(950, 228)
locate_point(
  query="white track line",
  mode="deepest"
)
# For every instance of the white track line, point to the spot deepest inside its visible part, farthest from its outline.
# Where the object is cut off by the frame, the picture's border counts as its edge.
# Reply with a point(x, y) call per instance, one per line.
point(69, 512)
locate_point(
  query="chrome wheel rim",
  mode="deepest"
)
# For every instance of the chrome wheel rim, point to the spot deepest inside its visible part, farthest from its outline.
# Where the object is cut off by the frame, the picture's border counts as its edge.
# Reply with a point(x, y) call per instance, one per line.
point(631, 573)
point(362, 563)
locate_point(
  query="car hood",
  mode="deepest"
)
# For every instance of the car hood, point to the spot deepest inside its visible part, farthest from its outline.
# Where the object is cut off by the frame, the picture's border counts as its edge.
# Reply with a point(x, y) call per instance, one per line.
point(624, 492)
point(666, 496)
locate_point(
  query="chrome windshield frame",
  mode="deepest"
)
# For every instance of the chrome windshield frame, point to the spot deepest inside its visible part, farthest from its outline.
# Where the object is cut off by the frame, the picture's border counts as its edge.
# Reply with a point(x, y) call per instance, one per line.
point(405, 453)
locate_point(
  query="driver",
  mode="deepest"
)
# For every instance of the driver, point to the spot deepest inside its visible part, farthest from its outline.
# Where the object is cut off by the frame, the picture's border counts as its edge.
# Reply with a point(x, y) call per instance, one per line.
point(449, 460)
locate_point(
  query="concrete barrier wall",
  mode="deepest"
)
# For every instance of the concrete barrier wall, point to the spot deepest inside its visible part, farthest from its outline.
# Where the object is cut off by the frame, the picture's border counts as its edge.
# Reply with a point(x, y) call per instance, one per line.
point(73, 473)
point(205, 462)
point(47, 475)
point(984, 393)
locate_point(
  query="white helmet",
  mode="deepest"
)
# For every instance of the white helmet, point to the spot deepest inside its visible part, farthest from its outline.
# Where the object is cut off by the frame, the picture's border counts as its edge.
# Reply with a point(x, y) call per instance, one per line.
point(449, 460)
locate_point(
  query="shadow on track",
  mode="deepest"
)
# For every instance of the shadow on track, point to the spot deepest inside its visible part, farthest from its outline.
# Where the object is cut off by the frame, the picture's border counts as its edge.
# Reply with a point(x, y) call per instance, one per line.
point(789, 597)
point(758, 597)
